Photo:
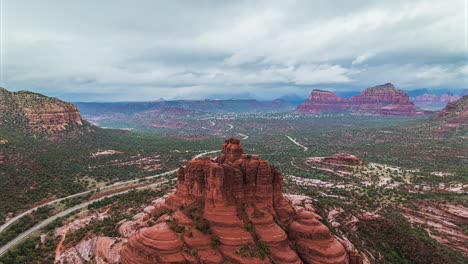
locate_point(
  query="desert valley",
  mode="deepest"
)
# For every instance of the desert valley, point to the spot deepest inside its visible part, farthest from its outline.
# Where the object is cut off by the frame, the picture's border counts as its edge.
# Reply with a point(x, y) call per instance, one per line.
point(369, 179)
point(233, 132)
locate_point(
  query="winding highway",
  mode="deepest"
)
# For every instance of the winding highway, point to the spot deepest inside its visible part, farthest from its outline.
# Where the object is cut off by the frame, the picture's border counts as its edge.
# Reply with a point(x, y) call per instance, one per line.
point(297, 143)
point(82, 205)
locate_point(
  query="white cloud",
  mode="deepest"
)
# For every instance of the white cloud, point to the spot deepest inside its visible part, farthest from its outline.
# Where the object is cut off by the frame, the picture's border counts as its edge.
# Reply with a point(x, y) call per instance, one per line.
point(363, 57)
point(321, 74)
point(159, 47)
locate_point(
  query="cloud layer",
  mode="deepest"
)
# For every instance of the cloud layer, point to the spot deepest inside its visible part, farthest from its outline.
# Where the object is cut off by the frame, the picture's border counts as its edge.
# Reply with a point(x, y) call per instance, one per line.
point(144, 50)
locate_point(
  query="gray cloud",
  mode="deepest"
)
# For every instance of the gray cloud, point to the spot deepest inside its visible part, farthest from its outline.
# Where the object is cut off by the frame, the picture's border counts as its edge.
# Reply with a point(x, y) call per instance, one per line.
point(141, 50)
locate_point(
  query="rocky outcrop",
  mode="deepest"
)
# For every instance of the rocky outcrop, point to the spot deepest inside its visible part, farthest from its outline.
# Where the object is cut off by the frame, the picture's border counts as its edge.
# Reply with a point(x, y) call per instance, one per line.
point(384, 100)
point(455, 112)
point(342, 159)
point(447, 110)
point(35, 113)
point(230, 210)
point(99, 250)
point(322, 101)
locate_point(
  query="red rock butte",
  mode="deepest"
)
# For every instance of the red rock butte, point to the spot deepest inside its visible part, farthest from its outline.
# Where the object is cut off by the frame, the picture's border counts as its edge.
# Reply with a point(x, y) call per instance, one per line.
point(384, 100)
point(230, 210)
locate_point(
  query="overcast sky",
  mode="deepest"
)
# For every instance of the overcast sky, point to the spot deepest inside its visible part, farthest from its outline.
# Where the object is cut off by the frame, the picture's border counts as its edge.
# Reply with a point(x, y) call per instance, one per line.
point(145, 50)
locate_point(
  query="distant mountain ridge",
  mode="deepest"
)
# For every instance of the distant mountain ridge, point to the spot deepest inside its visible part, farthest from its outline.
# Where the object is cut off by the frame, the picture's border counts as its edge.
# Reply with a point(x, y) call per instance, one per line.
point(383, 100)
point(433, 101)
point(207, 105)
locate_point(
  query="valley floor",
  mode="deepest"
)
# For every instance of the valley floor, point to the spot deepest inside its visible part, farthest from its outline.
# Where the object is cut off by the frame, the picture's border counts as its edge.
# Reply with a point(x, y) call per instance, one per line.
point(412, 183)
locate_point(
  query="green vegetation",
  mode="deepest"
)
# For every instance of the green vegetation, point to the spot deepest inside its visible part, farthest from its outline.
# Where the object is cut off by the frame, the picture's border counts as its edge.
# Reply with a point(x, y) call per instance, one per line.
point(38, 169)
point(26, 252)
point(390, 235)
point(24, 224)
point(421, 156)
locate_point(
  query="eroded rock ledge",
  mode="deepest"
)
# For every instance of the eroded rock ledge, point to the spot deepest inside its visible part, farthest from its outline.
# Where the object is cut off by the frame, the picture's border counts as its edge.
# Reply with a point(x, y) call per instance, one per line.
point(228, 210)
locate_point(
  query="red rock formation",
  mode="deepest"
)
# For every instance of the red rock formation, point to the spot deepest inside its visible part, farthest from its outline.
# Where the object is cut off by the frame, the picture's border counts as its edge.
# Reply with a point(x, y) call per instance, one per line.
point(447, 110)
point(456, 112)
point(379, 100)
point(322, 101)
point(230, 210)
point(342, 159)
point(37, 113)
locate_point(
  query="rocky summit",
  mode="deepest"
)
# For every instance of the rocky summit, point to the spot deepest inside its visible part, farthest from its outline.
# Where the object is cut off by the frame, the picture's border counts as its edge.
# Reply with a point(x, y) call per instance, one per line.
point(227, 210)
point(384, 100)
point(37, 114)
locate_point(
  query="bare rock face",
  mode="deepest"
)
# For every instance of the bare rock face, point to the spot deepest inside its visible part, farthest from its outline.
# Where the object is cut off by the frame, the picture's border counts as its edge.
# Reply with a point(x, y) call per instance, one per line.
point(383, 100)
point(342, 159)
point(36, 113)
point(456, 113)
point(322, 101)
point(230, 210)
point(98, 250)
point(447, 110)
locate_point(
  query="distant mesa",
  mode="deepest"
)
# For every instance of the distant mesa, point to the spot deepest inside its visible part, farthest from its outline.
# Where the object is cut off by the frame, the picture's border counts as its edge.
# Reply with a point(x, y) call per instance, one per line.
point(37, 114)
point(342, 159)
point(382, 100)
point(228, 210)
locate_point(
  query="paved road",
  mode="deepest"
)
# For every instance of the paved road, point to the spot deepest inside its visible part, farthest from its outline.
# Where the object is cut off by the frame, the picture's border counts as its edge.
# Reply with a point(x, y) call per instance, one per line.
point(64, 213)
point(67, 211)
point(14, 219)
point(244, 136)
point(297, 143)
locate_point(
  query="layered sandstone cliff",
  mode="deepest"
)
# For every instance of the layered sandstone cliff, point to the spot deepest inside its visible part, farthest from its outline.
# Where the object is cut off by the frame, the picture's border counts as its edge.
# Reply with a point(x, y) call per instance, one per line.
point(227, 210)
point(379, 100)
point(232, 210)
point(36, 113)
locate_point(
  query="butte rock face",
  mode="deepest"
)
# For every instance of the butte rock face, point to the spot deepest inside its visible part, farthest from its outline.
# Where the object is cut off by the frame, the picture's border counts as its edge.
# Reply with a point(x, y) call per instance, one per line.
point(230, 210)
point(35, 113)
point(383, 100)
